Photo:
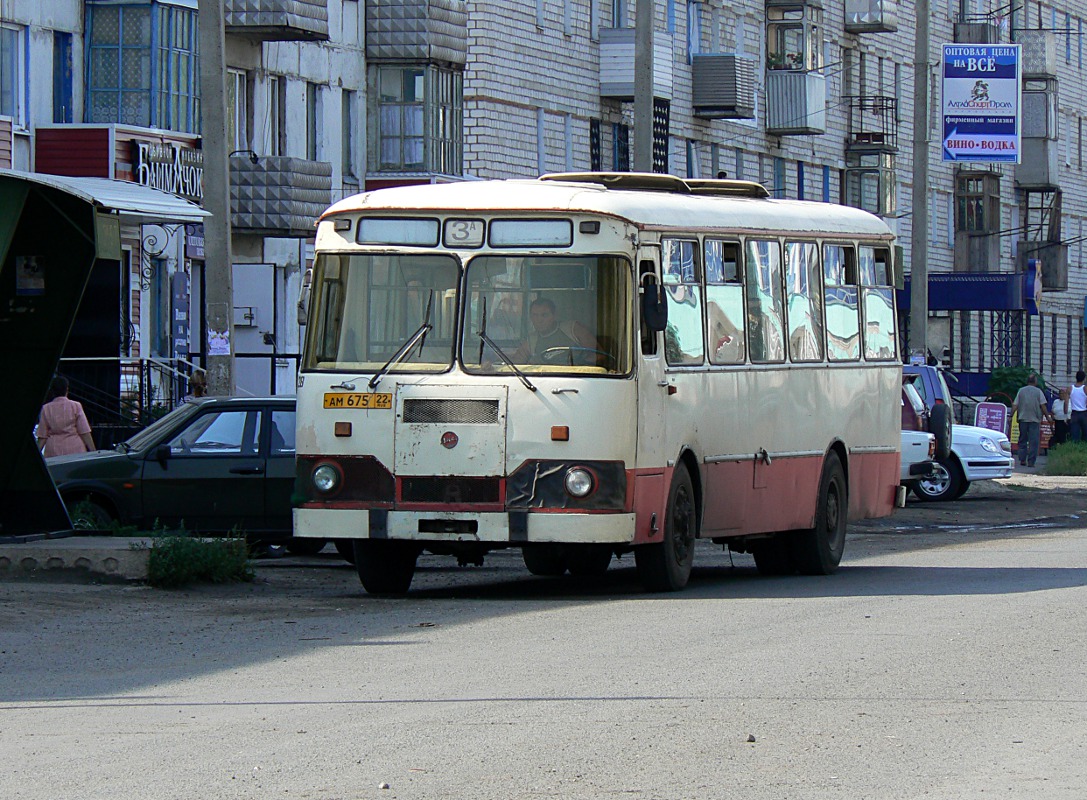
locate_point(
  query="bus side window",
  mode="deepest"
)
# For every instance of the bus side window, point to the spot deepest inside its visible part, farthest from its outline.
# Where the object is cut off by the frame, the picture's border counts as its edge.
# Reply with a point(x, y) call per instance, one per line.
point(684, 340)
point(725, 316)
point(880, 339)
point(842, 310)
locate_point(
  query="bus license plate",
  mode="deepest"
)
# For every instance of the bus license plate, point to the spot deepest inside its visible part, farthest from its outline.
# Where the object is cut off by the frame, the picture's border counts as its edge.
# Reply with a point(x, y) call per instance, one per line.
point(358, 400)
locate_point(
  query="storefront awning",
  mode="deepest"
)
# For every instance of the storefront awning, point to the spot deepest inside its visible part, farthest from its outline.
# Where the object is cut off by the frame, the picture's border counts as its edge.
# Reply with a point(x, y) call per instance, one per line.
point(135, 203)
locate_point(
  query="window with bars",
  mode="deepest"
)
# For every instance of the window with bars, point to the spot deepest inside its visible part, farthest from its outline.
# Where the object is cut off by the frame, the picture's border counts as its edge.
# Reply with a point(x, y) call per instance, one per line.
point(142, 65)
point(419, 119)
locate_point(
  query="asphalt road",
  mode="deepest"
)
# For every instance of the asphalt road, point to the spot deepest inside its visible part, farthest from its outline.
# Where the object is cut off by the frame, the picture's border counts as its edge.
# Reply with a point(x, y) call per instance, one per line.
point(940, 662)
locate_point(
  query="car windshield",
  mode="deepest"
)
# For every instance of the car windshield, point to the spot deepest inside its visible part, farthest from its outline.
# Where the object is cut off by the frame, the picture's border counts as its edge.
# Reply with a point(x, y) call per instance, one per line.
point(370, 306)
point(153, 432)
point(548, 314)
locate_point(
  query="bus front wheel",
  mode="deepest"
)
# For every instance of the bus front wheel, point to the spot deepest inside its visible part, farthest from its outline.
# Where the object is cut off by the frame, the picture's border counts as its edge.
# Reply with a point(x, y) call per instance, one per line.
point(818, 550)
point(666, 566)
point(385, 567)
point(545, 560)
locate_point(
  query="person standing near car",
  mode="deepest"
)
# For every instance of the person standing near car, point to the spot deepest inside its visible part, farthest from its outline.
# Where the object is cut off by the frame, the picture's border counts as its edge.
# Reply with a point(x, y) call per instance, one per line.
point(63, 429)
point(1077, 405)
point(1031, 405)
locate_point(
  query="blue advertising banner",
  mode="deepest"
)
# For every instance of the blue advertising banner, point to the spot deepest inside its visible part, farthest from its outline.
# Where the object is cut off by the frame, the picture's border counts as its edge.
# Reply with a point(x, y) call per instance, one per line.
point(981, 101)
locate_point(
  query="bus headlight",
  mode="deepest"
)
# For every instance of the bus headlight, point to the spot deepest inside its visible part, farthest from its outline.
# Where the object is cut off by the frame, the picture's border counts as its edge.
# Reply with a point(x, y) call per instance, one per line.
point(579, 482)
point(326, 478)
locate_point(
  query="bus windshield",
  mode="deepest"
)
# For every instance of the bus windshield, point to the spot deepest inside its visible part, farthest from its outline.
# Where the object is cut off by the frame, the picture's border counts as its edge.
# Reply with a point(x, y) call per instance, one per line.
point(369, 306)
point(548, 314)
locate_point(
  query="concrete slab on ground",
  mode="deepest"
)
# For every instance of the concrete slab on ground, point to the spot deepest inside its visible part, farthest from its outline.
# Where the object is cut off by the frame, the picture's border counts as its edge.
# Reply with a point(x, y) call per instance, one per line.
point(119, 558)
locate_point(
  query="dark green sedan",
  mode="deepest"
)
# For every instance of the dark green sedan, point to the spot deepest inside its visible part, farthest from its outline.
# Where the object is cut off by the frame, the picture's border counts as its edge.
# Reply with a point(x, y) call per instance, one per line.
point(213, 465)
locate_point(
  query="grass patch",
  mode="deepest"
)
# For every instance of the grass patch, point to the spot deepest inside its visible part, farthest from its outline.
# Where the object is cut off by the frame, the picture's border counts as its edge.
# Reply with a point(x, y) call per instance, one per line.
point(1069, 458)
point(178, 559)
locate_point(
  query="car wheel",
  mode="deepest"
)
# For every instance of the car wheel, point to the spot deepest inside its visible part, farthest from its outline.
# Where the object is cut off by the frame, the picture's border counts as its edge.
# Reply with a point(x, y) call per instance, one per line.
point(818, 550)
point(962, 488)
point(939, 425)
point(666, 566)
point(89, 515)
point(346, 549)
point(545, 560)
point(305, 547)
point(945, 485)
point(385, 567)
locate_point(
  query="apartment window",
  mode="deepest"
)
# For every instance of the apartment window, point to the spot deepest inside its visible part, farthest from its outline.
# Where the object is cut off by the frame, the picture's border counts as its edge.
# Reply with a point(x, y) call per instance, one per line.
point(694, 30)
point(419, 119)
point(237, 109)
point(977, 203)
point(595, 161)
point(618, 13)
point(541, 141)
point(277, 123)
point(348, 114)
point(313, 114)
point(12, 78)
point(794, 38)
point(142, 65)
point(621, 155)
point(62, 77)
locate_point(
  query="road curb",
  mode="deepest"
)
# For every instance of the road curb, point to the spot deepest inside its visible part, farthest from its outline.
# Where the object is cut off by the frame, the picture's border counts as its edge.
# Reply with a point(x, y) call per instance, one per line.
point(76, 558)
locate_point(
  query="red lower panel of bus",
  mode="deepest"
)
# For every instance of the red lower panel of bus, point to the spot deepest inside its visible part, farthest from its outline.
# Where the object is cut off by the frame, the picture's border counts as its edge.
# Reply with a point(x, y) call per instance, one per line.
point(754, 497)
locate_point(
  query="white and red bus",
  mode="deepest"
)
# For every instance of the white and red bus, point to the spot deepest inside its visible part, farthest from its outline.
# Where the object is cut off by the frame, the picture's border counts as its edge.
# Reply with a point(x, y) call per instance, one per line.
point(590, 364)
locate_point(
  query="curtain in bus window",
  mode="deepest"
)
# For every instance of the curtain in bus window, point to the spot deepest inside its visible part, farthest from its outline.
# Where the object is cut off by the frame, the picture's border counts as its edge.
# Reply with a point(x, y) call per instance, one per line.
point(683, 338)
point(843, 326)
point(879, 323)
point(725, 317)
point(555, 313)
point(369, 306)
point(764, 303)
point(804, 301)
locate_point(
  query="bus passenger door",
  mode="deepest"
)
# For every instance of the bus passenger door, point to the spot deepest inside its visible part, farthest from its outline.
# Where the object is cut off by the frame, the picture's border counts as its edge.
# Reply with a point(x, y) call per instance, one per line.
point(652, 381)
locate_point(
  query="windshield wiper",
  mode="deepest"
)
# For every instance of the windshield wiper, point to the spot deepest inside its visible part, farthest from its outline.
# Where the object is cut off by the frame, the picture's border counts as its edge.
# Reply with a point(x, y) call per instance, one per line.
point(509, 363)
point(419, 336)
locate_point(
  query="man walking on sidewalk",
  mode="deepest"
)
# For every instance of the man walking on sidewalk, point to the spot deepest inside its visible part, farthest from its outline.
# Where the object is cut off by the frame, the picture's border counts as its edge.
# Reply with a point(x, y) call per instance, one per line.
point(1031, 404)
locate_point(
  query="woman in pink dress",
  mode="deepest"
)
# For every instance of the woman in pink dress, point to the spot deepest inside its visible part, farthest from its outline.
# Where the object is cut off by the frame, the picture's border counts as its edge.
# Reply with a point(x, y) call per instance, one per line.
point(62, 427)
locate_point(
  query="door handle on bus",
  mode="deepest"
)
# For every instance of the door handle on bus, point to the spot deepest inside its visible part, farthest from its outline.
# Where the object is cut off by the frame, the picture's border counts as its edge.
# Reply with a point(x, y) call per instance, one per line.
point(247, 471)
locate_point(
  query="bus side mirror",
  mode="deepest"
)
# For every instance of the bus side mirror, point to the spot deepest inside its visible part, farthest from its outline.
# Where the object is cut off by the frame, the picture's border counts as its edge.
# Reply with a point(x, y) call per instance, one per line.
point(654, 305)
point(303, 297)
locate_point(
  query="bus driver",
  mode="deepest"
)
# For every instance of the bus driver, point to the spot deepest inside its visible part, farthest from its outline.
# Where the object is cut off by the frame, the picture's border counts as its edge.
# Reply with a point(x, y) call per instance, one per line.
point(552, 341)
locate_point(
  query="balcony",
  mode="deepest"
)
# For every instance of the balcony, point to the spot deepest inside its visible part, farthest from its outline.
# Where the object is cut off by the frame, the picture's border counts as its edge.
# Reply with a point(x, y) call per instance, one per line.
point(1053, 258)
point(724, 86)
point(1038, 53)
point(796, 103)
point(873, 124)
point(617, 64)
point(1038, 165)
point(871, 182)
point(426, 31)
point(977, 251)
point(979, 31)
point(277, 20)
point(278, 195)
point(871, 16)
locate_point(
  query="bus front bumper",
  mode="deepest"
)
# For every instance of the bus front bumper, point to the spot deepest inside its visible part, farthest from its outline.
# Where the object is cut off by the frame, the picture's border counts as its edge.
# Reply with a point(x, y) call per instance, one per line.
point(515, 527)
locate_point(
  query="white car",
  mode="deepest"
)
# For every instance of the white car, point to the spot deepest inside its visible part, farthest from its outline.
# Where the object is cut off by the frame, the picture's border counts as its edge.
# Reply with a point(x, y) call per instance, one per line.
point(977, 454)
point(918, 452)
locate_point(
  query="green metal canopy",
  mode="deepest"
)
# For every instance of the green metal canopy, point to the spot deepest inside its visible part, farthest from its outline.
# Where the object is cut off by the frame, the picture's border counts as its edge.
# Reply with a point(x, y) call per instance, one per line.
point(53, 231)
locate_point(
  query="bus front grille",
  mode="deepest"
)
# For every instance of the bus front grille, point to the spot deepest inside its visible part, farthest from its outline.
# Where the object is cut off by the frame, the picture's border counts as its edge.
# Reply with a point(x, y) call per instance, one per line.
point(449, 490)
point(444, 412)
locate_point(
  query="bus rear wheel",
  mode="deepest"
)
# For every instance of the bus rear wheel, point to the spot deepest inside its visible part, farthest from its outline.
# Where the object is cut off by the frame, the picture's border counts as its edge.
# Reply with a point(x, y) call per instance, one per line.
point(666, 566)
point(385, 567)
point(818, 550)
